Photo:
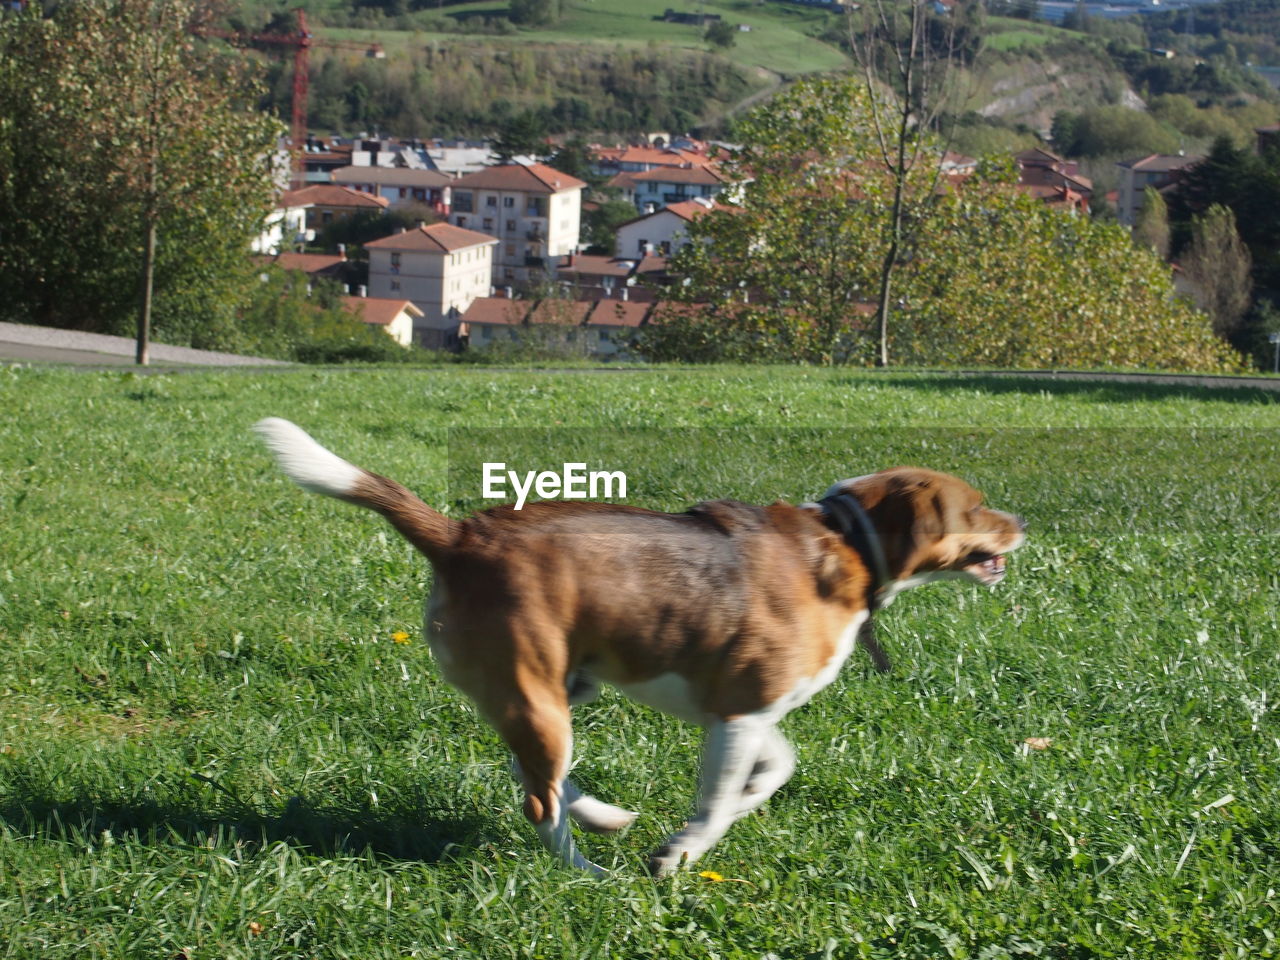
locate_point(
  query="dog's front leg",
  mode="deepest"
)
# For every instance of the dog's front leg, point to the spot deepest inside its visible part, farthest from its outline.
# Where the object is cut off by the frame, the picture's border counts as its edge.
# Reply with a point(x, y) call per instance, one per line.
point(731, 750)
point(772, 768)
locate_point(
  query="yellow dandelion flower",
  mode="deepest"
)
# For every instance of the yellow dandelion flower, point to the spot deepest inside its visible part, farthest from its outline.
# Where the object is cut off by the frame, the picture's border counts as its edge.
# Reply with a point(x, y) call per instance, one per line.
point(400, 637)
point(711, 875)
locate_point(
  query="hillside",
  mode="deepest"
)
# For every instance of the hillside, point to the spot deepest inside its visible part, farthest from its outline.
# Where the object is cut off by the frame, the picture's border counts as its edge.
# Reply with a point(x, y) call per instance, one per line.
point(613, 66)
point(452, 85)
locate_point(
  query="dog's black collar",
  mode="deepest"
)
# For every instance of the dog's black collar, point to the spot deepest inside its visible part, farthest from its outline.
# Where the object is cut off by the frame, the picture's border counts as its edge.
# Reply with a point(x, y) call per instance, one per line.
point(846, 514)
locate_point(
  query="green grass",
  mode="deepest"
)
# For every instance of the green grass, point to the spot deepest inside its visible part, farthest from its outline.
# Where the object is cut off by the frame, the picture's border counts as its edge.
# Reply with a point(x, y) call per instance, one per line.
point(211, 747)
point(1012, 34)
point(781, 37)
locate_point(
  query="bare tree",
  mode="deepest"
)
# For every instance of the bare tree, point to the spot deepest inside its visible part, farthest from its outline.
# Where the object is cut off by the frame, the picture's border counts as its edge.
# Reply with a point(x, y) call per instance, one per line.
point(1217, 265)
point(907, 61)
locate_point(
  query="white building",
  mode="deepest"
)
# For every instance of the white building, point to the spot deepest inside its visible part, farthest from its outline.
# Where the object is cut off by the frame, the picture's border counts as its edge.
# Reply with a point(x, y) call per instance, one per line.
point(441, 268)
point(535, 212)
point(663, 232)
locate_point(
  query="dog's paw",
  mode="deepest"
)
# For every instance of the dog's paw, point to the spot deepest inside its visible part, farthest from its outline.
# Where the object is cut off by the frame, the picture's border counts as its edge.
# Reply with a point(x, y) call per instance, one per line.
point(596, 816)
point(667, 859)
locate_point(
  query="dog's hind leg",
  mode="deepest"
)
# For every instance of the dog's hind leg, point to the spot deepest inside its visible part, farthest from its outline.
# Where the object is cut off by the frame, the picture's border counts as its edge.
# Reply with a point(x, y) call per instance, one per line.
point(595, 816)
point(732, 748)
point(539, 734)
point(773, 767)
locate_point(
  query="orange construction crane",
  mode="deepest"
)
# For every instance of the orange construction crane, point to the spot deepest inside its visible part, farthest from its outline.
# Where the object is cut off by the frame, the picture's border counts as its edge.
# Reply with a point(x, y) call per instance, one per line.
point(302, 41)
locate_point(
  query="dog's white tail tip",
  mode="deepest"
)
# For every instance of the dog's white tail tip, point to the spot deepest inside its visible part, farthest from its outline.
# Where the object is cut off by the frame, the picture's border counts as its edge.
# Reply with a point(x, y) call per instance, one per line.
point(306, 463)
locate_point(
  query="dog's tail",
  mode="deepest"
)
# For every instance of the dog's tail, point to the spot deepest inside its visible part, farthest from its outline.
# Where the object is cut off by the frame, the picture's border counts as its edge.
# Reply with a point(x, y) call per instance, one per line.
point(314, 468)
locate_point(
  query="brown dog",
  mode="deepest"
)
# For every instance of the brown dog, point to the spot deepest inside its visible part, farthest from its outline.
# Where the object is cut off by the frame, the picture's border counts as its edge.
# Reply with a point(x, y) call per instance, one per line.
point(727, 616)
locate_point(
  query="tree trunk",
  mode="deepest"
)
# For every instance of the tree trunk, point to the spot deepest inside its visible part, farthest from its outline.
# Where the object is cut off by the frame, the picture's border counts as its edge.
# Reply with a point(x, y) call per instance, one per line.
point(148, 273)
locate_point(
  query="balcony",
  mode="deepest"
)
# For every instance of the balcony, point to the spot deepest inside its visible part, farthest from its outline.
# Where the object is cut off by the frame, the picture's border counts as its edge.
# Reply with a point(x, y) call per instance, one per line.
point(530, 261)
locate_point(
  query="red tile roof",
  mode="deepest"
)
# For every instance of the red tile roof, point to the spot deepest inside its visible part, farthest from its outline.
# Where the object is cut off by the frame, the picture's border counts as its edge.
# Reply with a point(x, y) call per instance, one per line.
point(688, 210)
point(564, 313)
point(433, 238)
point(618, 313)
point(379, 310)
point(331, 195)
point(589, 264)
point(626, 180)
point(497, 310)
point(306, 262)
point(391, 176)
point(704, 175)
point(1160, 162)
point(1037, 157)
point(590, 267)
point(531, 178)
point(656, 156)
point(691, 209)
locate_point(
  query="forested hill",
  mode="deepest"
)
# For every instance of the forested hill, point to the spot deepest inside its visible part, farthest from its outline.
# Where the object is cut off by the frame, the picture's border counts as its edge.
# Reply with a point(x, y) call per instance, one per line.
point(459, 85)
point(1255, 22)
point(589, 65)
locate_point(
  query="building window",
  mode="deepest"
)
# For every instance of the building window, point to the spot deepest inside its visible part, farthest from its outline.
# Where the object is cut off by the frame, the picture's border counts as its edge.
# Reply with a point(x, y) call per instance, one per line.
point(508, 201)
point(488, 223)
point(462, 201)
point(395, 259)
point(511, 226)
point(462, 221)
point(643, 245)
point(395, 284)
point(490, 201)
point(511, 249)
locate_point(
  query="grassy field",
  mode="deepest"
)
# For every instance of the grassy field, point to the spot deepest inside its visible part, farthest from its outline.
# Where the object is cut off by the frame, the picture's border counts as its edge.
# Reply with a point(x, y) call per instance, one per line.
point(1009, 33)
point(781, 38)
point(213, 745)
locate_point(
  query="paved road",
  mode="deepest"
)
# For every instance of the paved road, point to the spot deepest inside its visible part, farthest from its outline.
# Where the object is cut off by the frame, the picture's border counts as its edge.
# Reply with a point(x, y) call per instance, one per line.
point(28, 344)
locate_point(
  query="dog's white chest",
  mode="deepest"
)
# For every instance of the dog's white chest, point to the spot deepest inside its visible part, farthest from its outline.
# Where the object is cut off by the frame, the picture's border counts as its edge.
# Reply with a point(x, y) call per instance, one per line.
point(804, 690)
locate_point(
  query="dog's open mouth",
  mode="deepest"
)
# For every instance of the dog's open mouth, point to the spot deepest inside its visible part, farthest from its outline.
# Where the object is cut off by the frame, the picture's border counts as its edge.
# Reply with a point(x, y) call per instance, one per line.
point(986, 567)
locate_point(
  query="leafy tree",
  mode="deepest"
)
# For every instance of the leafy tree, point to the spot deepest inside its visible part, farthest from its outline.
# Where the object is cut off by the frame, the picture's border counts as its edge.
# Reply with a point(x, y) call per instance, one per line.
point(1002, 279)
point(534, 13)
point(1111, 131)
point(1064, 132)
point(355, 231)
point(1152, 227)
point(600, 224)
point(575, 157)
point(1248, 185)
point(134, 171)
point(1217, 264)
point(721, 34)
point(523, 134)
point(781, 276)
point(992, 276)
point(288, 317)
